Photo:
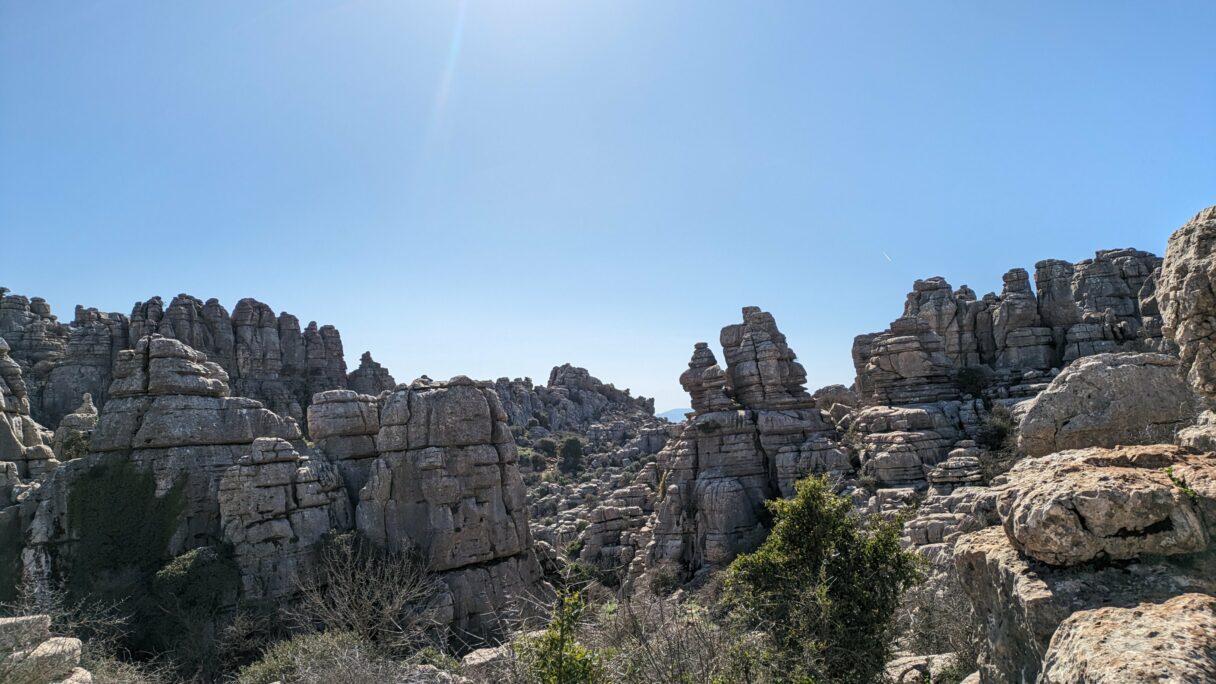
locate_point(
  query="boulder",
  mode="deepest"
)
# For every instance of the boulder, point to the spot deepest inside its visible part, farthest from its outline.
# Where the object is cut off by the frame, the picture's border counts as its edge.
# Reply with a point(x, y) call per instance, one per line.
point(1108, 400)
point(1169, 641)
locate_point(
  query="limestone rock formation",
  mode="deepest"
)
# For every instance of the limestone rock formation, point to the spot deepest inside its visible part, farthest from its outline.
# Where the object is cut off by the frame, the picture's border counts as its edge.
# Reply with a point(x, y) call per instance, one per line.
point(446, 483)
point(1151, 507)
point(370, 377)
point(163, 442)
point(753, 432)
point(572, 401)
point(276, 507)
point(72, 437)
point(1108, 400)
point(1094, 503)
point(28, 653)
point(267, 357)
point(1185, 295)
point(23, 442)
point(1136, 644)
point(948, 343)
point(344, 425)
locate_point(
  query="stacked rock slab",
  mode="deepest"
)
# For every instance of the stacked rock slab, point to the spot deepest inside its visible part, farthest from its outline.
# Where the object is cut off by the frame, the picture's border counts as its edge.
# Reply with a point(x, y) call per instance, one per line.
point(28, 653)
point(1105, 304)
point(72, 437)
point(23, 442)
point(267, 356)
point(446, 484)
point(754, 430)
point(169, 416)
point(344, 425)
point(1186, 296)
point(572, 401)
point(1064, 518)
point(276, 508)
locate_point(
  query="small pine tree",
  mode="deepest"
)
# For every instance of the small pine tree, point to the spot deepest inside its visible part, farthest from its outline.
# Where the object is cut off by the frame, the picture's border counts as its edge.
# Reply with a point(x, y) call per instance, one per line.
point(556, 657)
point(572, 456)
point(824, 586)
point(547, 446)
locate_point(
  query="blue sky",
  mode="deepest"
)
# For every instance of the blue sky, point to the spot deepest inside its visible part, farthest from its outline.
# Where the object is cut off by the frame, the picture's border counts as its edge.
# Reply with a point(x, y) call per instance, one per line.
point(493, 188)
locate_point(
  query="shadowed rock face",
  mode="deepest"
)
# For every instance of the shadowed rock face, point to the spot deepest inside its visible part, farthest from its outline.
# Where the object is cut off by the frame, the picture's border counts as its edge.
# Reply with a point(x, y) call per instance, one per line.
point(267, 356)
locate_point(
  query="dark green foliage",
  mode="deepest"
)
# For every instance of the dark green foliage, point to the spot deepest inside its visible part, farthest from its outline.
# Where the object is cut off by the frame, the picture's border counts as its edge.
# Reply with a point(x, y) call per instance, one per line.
point(572, 456)
point(555, 656)
point(188, 600)
point(824, 587)
point(75, 445)
point(547, 446)
point(122, 529)
point(971, 381)
point(10, 554)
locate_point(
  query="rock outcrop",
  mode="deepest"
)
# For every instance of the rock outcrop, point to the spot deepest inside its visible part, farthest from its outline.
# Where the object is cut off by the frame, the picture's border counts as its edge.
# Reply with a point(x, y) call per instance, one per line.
point(28, 653)
point(267, 356)
point(1186, 295)
point(446, 484)
point(276, 508)
point(160, 446)
point(753, 432)
point(23, 442)
point(949, 344)
point(1109, 400)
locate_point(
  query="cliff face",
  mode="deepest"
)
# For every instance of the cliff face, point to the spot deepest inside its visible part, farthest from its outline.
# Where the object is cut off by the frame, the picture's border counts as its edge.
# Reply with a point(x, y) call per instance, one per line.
point(267, 356)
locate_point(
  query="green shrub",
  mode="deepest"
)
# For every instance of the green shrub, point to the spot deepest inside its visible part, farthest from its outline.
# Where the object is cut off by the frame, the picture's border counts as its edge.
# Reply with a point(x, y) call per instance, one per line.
point(122, 529)
point(75, 445)
point(191, 600)
point(572, 456)
point(11, 540)
point(555, 656)
point(824, 586)
point(971, 381)
point(547, 446)
point(322, 657)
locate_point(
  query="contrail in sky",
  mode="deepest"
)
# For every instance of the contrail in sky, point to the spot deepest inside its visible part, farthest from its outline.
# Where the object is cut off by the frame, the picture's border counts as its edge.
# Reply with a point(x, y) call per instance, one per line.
point(888, 256)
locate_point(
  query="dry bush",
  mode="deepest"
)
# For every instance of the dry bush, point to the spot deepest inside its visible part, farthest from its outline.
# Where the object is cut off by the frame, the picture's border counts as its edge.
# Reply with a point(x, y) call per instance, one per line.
point(935, 618)
point(382, 598)
point(101, 628)
point(329, 657)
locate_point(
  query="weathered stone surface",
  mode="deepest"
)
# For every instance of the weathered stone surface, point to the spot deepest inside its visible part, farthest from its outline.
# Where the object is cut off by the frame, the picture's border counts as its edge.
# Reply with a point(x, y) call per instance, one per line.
point(23, 442)
point(1020, 603)
point(185, 441)
point(276, 507)
point(1186, 295)
point(1171, 641)
point(753, 432)
point(344, 425)
point(1202, 435)
point(446, 483)
point(1076, 506)
point(71, 438)
point(1108, 400)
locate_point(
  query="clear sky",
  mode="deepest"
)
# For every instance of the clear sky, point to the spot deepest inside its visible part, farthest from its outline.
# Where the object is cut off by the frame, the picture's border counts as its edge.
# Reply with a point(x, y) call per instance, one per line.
point(494, 188)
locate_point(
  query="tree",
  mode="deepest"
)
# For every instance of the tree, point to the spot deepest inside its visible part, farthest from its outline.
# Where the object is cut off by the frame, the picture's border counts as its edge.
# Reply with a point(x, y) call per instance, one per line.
point(547, 446)
point(824, 586)
point(572, 456)
point(555, 656)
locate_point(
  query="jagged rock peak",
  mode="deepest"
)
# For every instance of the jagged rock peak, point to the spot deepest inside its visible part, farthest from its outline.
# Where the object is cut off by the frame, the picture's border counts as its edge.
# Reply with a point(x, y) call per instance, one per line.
point(370, 377)
point(761, 370)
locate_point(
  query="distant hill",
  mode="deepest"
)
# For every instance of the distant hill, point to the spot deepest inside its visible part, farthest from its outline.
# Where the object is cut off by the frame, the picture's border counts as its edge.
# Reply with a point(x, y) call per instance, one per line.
point(674, 415)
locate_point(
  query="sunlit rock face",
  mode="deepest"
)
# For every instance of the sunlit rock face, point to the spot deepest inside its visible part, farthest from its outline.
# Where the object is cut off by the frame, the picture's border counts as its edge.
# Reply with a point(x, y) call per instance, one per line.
point(753, 432)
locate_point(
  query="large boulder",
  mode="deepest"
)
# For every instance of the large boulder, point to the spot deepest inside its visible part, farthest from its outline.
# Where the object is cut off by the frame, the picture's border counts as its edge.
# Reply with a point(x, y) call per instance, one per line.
point(1108, 400)
point(1077, 506)
point(1174, 641)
